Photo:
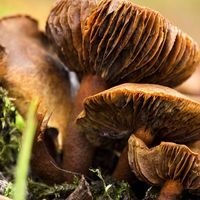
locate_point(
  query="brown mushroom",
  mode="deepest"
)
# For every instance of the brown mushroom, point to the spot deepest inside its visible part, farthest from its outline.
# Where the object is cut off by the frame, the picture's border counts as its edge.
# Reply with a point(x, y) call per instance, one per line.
point(44, 153)
point(146, 110)
point(120, 41)
point(175, 167)
point(110, 42)
point(124, 109)
point(43, 162)
point(30, 69)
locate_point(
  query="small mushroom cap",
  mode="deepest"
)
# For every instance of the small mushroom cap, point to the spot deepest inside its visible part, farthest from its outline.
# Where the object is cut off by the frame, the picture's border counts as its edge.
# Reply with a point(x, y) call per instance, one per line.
point(31, 70)
point(121, 42)
point(120, 111)
point(168, 161)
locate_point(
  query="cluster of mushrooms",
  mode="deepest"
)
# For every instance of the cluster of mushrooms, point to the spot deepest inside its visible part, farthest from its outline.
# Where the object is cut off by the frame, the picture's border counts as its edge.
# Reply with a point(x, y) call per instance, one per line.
point(126, 57)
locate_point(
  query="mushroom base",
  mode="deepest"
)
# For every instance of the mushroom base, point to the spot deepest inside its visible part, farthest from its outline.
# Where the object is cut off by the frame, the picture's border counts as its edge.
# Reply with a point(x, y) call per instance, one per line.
point(171, 190)
point(122, 170)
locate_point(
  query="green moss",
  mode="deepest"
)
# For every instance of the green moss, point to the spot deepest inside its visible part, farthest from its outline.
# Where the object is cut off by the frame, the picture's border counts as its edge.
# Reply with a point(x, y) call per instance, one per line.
point(38, 190)
point(8, 192)
point(9, 135)
point(108, 189)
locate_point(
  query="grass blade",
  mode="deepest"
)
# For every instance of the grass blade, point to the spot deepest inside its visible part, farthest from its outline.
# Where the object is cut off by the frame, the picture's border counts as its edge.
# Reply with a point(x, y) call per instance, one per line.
point(25, 153)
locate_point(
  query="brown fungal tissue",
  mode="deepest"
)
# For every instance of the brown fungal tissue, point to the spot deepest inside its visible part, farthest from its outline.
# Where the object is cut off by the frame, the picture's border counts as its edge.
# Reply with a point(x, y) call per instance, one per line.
point(146, 110)
point(120, 42)
point(124, 109)
point(30, 69)
point(172, 166)
point(110, 42)
point(43, 163)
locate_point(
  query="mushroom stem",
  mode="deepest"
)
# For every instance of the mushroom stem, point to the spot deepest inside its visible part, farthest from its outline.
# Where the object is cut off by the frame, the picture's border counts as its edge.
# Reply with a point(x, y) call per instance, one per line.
point(122, 170)
point(145, 135)
point(171, 190)
point(78, 152)
point(43, 164)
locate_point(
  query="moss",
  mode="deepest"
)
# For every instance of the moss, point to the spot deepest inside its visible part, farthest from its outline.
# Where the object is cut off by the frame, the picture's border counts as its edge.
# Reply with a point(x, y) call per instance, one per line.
point(9, 135)
point(108, 189)
point(39, 190)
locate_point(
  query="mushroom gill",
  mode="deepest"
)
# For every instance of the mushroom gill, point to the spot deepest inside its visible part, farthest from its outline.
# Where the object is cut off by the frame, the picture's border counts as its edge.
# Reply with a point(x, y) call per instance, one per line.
point(120, 111)
point(174, 167)
point(151, 112)
point(121, 42)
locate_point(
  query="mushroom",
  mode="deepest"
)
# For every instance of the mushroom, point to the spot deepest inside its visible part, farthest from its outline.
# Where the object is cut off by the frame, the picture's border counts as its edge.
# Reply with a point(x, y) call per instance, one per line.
point(30, 69)
point(175, 167)
point(110, 42)
point(146, 110)
point(43, 162)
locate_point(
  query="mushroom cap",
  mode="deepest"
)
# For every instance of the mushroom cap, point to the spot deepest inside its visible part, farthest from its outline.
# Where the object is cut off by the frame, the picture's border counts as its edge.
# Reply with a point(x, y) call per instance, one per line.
point(31, 70)
point(121, 42)
point(44, 154)
point(167, 161)
point(65, 27)
point(122, 110)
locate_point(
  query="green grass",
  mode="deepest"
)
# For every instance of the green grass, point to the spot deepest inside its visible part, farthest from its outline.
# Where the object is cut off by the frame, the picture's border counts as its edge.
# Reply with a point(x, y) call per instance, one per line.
point(24, 154)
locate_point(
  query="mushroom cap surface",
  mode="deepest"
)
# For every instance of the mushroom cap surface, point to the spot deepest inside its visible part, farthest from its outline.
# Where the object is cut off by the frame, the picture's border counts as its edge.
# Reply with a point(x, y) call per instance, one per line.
point(118, 112)
point(167, 161)
point(121, 42)
point(31, 69)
